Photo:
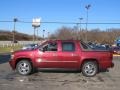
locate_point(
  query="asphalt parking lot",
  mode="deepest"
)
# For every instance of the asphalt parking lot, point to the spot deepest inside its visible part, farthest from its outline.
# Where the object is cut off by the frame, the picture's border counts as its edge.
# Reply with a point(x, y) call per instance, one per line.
point(49, 80)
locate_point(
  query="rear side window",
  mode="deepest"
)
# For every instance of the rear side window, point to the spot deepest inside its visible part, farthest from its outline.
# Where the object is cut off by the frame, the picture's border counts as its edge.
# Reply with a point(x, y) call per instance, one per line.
point(68, 46)
point(85, 46)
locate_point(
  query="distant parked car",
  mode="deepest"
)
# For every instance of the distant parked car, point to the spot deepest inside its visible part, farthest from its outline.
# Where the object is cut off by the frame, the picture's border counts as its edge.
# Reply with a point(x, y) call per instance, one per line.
point(15, 41)
point(99, 46)
point(29, 46)
point(116, 50)
point(102, 47)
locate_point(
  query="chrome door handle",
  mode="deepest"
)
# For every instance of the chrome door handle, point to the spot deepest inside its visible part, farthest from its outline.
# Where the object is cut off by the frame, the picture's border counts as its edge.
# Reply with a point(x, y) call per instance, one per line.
point(54, 54)
point(74, 54)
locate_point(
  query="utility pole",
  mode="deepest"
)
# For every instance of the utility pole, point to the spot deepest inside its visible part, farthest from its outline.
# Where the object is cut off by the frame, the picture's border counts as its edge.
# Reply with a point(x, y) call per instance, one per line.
point(14, 20)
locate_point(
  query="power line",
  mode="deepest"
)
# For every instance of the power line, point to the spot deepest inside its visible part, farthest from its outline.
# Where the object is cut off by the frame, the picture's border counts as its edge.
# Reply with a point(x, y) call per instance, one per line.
point(6, 21)
point(102, 23)
point(51, 22)
point(58, 22)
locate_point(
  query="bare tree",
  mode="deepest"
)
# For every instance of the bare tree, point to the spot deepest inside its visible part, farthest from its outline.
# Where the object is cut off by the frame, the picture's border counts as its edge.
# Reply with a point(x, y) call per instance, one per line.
point(107, 36)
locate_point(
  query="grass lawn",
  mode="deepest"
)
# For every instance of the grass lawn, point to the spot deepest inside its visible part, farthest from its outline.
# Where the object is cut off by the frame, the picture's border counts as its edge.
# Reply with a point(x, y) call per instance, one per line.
point(9, 49)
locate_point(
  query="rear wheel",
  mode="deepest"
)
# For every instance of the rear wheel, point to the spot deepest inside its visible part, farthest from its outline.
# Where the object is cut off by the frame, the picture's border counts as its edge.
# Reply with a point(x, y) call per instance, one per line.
point(89, 68)
point(24, 67)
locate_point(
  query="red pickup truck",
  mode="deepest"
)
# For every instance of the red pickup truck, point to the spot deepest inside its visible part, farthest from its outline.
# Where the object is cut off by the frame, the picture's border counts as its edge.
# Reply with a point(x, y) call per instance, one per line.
point(62, 54)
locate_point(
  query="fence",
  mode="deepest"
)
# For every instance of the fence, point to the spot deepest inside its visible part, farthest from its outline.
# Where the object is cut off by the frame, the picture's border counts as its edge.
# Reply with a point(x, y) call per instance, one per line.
point(20, 43)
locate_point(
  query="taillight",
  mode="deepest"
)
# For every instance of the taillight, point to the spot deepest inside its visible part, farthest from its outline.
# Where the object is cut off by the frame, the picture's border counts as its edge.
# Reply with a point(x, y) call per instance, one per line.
point(111, 55)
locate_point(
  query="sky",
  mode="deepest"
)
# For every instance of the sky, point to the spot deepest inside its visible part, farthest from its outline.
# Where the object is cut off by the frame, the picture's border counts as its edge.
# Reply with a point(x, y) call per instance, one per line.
point(58, 10)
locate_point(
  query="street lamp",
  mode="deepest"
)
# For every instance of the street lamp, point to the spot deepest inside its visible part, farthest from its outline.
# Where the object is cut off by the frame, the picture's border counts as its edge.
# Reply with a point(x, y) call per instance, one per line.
point(87, 8)
point(37, 35)
point(14, 20)
point(79, 28)
point(77, 31)
point(48, 35)
point(43, 34)
point(80, 22)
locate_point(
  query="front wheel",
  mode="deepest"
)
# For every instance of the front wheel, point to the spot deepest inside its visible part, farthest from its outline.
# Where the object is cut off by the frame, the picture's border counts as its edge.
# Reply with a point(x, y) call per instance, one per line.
point(89, 68)
point(24, 67)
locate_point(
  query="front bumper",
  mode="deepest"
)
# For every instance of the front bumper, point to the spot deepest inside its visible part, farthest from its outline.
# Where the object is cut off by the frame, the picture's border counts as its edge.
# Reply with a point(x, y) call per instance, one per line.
point(12, 64)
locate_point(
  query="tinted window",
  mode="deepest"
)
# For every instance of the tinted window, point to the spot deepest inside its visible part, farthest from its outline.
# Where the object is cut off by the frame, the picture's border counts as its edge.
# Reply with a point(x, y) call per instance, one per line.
point(68, 46)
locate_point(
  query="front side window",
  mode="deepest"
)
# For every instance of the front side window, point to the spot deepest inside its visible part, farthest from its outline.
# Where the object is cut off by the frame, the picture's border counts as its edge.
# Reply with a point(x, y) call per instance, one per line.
point(68, 46)
point(50, 46)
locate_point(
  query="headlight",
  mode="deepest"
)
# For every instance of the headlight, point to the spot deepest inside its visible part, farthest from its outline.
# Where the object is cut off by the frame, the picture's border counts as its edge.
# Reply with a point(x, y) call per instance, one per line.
point(12, 56)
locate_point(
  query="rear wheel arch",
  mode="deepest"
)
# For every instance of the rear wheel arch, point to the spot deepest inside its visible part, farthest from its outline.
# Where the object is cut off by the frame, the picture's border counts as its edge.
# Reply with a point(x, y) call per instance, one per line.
point(89, 59)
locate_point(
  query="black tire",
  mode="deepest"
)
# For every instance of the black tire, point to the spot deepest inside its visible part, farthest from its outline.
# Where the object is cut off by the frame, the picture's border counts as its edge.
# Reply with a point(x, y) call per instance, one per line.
point(89, 68)
point(24, 67)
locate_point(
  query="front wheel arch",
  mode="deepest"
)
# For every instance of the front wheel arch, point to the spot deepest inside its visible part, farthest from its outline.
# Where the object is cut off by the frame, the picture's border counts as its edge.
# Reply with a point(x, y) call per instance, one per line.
point(19, 59)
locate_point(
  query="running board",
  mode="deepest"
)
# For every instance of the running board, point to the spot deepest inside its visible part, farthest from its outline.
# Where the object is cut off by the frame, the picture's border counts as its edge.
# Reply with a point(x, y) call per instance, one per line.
point(58, 69)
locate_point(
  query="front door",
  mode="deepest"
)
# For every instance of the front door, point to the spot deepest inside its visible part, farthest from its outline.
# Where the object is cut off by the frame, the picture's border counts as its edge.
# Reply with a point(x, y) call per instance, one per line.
point(49, 56)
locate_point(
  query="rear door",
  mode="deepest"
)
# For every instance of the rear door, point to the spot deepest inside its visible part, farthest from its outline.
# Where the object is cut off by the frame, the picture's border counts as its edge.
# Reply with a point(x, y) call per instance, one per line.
point(69, 56)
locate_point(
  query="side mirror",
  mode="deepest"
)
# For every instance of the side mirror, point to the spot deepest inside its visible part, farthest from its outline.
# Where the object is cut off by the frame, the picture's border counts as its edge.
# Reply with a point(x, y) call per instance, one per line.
point(42, 49)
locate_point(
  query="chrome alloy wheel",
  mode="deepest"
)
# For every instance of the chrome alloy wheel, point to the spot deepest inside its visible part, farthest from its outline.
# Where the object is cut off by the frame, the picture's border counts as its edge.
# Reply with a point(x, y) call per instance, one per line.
point(89, 69)
point(24, 67)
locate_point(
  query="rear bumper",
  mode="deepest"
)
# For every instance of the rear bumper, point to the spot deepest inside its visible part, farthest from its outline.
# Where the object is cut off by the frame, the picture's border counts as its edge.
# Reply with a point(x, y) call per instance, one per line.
point(112, 65)
point(106, 64)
